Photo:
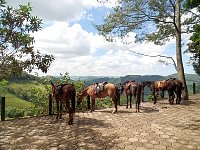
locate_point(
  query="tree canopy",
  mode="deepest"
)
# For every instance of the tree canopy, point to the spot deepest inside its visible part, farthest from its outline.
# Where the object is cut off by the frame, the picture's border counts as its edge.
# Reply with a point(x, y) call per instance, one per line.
point(155, 21)
point(17, 52)
point(194, 44)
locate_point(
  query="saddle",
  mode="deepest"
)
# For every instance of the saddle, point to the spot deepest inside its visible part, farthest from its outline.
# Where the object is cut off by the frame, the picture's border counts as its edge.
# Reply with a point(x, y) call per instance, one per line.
point(99, 87)
point(161, 84)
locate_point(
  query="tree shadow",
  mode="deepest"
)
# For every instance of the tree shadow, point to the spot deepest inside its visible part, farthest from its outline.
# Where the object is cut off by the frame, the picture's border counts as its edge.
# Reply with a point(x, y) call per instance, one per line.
point(146, 109)
point(48, 132)
point(187, 102)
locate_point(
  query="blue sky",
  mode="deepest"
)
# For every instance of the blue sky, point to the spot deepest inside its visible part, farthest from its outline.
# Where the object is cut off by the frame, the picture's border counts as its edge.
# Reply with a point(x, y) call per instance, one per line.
point(69, 35)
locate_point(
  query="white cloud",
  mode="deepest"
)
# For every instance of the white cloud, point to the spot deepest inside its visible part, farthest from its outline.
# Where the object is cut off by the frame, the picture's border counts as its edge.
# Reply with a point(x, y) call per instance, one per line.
point(76, 52)
point(80, 52)
point(60, 10)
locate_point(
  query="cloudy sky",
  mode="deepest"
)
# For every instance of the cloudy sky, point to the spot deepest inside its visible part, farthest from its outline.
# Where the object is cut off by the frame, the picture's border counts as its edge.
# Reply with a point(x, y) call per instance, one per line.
point(69, 35)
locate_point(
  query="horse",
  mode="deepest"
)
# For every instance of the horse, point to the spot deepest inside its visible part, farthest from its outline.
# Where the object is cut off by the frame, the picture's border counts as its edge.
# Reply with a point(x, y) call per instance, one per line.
point(64, 93)
point(155, 87)
point(109, 89)
point(132, 88)
point(174, 86)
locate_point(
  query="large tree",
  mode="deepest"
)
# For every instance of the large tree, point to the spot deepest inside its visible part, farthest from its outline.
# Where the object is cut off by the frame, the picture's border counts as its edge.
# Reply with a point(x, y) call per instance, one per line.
point(194, 44)
point(152, 20)
point(16, 43)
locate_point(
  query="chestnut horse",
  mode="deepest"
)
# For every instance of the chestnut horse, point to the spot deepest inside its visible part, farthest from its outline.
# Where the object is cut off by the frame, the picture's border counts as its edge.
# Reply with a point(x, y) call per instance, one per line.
point(64, 93)
point(109, 89)
point(132, 88)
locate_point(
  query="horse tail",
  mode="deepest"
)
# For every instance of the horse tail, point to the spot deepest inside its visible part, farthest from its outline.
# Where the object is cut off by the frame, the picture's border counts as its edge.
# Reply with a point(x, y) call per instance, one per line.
point(117, 95)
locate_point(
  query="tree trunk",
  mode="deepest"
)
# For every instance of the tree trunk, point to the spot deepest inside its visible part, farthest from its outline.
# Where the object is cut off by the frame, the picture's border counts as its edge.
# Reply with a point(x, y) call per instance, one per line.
point(180, 69)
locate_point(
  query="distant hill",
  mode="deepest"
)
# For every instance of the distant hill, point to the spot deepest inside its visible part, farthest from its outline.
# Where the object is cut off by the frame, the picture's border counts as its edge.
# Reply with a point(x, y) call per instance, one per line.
point(117, 80)
point(25, 77)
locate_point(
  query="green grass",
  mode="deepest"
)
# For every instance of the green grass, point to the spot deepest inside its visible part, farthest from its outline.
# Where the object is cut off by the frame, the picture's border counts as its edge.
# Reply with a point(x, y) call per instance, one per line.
point(14, 102)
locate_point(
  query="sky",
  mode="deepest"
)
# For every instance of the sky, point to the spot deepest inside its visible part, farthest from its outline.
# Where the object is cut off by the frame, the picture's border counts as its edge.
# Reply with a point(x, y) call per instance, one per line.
point(68, 34)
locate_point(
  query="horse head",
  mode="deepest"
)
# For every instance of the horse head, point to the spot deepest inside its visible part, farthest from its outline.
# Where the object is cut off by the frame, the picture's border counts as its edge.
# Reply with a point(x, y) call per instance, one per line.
point(54, 89)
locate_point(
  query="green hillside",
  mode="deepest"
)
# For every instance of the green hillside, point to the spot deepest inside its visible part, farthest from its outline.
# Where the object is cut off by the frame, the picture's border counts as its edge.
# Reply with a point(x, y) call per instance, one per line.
point(14, 102)
point(20, 91)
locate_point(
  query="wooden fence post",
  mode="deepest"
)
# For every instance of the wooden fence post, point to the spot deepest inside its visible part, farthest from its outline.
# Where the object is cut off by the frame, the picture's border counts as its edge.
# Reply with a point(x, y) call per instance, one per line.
point(194, 90)
point(3, 110)
point(50, 104)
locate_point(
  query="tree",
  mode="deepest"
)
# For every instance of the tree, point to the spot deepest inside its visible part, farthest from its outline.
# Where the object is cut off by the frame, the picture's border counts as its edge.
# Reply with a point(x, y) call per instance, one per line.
point(154, 21)
point(16, 43)
point(194, 48)
point(194, 44)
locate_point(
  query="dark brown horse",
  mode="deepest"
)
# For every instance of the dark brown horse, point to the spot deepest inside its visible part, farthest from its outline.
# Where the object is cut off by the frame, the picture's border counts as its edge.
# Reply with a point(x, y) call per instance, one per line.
point(63, 93)
point(155, 87)
point(109, 89)
point(132, 88)
point(172, 85)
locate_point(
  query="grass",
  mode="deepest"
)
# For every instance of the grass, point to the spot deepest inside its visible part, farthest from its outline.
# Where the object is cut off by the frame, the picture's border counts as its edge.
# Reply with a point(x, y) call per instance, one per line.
point(14, 102)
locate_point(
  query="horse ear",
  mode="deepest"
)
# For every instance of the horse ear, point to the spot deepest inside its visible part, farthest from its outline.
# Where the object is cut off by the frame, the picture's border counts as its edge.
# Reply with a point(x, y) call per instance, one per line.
point(52, 83)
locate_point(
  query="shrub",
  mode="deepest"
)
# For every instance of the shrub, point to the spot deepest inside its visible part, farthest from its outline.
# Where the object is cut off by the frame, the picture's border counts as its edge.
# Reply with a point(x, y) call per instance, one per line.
point(14, 112)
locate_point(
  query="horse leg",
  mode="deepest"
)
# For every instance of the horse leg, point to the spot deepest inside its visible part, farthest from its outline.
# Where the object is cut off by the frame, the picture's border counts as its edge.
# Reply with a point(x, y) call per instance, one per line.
point(88, 102)
point(93, 105)
point(115, 105)
point(162, 94)
point(61, 109)
point(130, 101)
point(171, 97)
point(178, 100)
point(154, 97)
point(138, 98)
point(71, 111)
point(57, 104)
point(126, 101)
point(136, 107)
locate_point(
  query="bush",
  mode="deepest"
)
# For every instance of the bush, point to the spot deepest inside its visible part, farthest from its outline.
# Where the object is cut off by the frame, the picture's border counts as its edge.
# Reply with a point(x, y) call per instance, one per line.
point(33, 111)
point(14, 113)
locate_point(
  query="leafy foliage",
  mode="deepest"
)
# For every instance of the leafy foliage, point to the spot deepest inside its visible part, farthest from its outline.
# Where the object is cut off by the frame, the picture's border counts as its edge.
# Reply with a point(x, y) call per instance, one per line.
point(151, 20)
point(16, 43)
point(194, 44)
point(194, 49)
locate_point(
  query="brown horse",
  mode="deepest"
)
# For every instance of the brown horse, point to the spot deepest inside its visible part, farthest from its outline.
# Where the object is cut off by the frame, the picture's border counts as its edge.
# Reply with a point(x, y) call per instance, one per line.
point(109, 89)
point(64, 93)
point(172, 85)
point(155, 87)
point(132, 88)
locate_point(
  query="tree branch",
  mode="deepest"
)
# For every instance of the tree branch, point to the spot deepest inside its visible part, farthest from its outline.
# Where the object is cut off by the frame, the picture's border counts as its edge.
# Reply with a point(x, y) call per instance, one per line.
point(168, 57)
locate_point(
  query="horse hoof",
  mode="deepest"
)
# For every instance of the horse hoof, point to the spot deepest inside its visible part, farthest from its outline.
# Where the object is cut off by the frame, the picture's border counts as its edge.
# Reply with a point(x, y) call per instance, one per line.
point(113, 112)
point(70, 122)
